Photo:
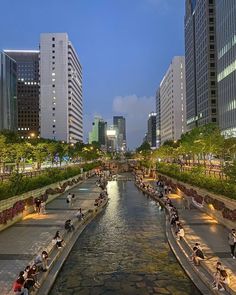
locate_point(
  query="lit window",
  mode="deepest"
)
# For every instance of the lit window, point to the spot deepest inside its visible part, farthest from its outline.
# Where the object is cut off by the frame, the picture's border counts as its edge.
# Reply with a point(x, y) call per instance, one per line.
point(53, 74)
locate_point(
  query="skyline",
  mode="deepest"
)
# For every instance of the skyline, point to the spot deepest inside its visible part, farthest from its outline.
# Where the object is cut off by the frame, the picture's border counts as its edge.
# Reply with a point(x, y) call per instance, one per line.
point(123, 62)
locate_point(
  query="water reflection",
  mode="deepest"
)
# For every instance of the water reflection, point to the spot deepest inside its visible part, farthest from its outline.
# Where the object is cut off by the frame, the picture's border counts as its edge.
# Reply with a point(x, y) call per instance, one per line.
point(124, 251)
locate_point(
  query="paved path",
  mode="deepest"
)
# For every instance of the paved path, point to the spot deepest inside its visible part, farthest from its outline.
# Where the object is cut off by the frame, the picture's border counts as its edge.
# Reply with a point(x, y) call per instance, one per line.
point(21, 242)
point(213, 237)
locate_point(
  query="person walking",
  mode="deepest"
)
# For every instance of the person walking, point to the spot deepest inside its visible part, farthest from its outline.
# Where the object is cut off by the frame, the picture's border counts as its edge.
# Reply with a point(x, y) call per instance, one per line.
point(69, 200)
point(232, 242)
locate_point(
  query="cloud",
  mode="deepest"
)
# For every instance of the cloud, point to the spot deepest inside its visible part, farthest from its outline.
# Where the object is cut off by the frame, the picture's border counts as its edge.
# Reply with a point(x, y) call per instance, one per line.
point(135, 109)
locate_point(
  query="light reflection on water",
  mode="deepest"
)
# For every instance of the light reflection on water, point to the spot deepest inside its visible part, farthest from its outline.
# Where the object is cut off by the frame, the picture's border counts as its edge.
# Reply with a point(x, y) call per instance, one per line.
point(124, 251)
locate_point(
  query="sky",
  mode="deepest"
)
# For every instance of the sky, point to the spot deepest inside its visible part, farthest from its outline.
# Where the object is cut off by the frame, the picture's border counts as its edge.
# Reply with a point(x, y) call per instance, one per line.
point(124, 46)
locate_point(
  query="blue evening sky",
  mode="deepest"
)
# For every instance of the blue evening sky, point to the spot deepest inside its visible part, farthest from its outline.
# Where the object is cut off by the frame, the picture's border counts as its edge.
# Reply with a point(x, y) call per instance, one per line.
point(125, 47)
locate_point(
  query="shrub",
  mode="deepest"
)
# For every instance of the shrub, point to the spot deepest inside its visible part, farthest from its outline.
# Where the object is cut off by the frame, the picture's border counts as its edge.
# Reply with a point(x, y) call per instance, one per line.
point(19, 184)
point(197, 178)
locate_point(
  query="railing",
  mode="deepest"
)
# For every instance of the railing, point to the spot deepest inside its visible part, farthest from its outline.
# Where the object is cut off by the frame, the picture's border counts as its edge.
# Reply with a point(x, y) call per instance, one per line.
point(6, 176)
point(208, 172)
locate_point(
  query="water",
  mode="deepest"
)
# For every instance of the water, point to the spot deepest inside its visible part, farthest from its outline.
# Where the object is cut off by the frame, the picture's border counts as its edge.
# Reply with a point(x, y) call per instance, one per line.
point(124, 251)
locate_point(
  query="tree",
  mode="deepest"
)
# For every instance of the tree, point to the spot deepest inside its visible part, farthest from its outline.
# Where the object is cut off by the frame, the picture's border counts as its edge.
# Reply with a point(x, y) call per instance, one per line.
point(144, 147)
point(40, 153)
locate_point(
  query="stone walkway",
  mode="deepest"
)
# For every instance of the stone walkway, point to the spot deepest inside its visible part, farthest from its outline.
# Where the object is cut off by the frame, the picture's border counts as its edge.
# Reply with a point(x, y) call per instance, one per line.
point(20, 243)
point(213, 237)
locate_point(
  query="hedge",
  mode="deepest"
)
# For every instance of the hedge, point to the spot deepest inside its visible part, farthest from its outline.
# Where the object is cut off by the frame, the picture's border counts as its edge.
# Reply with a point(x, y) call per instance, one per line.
point(214, 185)
point(20, 184)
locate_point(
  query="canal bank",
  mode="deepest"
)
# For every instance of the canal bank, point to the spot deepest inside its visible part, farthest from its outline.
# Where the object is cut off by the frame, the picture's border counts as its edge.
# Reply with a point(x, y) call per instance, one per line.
point(36, 232)
point(124, 251)
point(203, 229)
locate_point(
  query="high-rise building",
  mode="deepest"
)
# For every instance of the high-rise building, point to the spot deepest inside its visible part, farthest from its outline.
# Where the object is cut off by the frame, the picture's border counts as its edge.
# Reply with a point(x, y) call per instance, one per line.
point(8, 98)
point(158, 118)
point(112, 136)
point(200, 59)
point(173, 101)
point(226, 65)
point(152, 130)
point(27, 91)
point(61, 103)
point(119, 123)
point(98, 133)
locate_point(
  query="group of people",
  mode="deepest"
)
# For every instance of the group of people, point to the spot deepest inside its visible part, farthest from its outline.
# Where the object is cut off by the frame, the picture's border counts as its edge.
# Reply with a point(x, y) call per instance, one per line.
point(221, 277)
point(28, 279)
point(40, 205)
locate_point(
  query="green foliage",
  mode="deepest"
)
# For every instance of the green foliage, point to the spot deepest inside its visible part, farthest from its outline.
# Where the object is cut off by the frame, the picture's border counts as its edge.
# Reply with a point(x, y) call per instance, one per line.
point(144, 147)
point(230, 171)
point(214, 185)
point(19, 184)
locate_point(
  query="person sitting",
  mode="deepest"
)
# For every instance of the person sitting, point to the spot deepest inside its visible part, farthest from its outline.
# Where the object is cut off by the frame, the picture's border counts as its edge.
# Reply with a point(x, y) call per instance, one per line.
point(31, 279)
point(79, 214)
point(58, 240)
point(197, 255)
point(224, 280)
point(180, 232)
point(217, 277)
point(69, 226)
point(18, 286)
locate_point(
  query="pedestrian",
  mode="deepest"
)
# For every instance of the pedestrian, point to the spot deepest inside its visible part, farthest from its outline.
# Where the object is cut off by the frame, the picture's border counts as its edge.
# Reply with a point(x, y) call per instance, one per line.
point(232, 242)
point(165, 189)
point(42, 207)
point(73, 198)
point(69, 199)
point(37, 202)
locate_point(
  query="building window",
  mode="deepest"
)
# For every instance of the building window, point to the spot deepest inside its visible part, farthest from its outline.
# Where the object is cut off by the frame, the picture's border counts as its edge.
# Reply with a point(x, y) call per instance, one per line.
point(53, 45)
point(53, 38)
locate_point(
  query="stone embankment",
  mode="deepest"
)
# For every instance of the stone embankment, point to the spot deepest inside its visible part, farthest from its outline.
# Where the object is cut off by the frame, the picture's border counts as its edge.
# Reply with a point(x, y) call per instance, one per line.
point(201, 228)
point(36, 233)
point(58, 257)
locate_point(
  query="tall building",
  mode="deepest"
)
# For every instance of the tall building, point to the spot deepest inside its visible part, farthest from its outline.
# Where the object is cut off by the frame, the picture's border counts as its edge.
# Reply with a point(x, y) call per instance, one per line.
point(158, 118)
point(200, 58)
point(27, 91)
point(152, 130)
point(172, 98)
point(8, 98)
point(226, 64)
point(61, 103)
point(98, 133)
point(112, 136)
point(119, 123)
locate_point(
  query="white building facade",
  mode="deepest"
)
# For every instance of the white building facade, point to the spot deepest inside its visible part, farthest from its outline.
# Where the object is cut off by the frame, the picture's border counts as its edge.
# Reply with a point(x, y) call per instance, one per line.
point(172, 101)
point(61, 100)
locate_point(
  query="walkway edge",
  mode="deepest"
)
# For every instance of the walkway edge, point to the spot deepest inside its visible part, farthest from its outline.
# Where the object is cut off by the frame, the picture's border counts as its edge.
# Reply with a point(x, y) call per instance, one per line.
point(195, 277)
point(51, 276)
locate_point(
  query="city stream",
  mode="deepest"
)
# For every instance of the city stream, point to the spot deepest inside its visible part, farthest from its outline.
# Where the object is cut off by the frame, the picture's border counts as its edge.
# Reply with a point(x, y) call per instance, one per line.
point(124, 251)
